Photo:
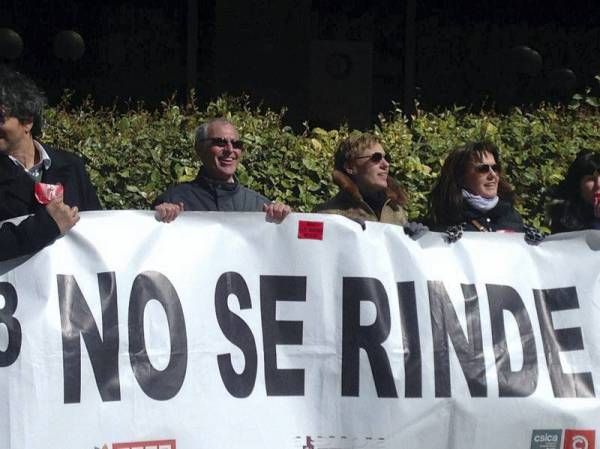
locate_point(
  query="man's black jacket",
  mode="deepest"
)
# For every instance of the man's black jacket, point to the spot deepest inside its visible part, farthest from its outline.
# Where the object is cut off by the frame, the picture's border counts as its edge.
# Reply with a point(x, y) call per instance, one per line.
point(17, 188)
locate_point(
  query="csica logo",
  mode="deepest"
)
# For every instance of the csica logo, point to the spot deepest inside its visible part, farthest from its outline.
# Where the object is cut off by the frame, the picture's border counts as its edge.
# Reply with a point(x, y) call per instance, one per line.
point(545, 437)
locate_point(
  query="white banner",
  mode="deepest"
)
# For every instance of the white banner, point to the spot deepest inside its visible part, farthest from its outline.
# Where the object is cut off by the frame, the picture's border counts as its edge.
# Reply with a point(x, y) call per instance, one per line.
point(221, 330)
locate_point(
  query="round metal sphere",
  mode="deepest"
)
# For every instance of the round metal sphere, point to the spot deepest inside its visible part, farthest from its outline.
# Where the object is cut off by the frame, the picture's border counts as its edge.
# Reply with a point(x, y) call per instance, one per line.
point(11, 44)
point(525, 60)
point(68, 45)
point(339, 65)
point(562, 80)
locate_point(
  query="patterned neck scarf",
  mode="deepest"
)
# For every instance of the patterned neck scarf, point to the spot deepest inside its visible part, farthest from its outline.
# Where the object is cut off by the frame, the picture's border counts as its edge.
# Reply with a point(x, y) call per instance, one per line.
point(479, 202)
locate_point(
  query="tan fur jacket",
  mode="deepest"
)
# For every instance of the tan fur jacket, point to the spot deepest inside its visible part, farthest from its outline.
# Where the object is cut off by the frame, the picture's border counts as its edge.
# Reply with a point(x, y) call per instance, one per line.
point(350, 203)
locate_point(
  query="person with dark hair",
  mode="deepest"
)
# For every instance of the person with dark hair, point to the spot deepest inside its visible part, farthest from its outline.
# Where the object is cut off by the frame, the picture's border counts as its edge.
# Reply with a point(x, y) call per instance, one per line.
point(216, 188)
point(25, 162)
point(578, 195)
point(367, 192)
point(470, 193)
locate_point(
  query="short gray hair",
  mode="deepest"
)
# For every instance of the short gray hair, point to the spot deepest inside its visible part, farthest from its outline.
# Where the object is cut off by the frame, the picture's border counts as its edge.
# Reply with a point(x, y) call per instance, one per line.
point(202, 131)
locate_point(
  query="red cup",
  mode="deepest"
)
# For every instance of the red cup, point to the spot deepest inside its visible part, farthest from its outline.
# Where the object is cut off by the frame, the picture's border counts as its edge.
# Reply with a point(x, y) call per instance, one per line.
point(44, 193)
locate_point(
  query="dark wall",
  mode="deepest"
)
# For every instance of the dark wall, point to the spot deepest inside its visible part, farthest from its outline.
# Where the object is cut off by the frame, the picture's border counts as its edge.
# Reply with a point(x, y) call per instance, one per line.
point(327, 61)
point(133, 49)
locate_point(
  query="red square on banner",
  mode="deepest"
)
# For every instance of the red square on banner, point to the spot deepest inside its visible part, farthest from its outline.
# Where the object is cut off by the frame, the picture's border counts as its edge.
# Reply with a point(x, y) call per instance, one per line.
point(312, 230)
point(580, 439)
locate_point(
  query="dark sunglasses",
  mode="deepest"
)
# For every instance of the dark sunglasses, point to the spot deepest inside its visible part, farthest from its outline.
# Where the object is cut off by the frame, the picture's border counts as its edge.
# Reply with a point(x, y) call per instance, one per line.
point(376, 157)
point(485, 168)
point(222, 142)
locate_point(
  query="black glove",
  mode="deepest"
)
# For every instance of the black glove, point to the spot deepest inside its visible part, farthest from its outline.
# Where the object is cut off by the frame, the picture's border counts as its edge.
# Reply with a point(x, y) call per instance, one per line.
point(533, 236)
point(415, 230)
point(454, 233)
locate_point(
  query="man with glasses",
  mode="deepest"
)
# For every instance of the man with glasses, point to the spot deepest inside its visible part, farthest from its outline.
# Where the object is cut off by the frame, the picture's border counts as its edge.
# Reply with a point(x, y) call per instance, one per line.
point(25, 164)
point(216, 188)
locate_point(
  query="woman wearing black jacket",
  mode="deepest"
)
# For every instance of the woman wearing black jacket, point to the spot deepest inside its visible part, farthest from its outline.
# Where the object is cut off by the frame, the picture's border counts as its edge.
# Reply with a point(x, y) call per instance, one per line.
point(578, 196)
point(471, 194)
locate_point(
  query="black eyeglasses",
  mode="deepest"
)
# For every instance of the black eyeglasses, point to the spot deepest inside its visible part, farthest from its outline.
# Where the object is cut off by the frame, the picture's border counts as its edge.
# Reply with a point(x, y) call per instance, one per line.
point(375, 157)
point(221, 142)
point(485, 168)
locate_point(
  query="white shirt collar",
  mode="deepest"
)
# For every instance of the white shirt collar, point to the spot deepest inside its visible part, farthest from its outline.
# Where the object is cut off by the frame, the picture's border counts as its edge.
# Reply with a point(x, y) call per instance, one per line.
point(44, 162)
point(44, 158)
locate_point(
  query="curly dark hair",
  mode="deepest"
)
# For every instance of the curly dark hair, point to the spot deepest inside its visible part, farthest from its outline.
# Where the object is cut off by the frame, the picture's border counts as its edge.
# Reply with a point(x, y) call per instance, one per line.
point(446, 204)
point(572, 213)
point(22, 99)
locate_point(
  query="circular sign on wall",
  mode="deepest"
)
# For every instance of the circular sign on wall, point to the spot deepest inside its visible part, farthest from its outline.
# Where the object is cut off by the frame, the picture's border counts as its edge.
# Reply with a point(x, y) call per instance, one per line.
point(68, 45)
point(11, 44)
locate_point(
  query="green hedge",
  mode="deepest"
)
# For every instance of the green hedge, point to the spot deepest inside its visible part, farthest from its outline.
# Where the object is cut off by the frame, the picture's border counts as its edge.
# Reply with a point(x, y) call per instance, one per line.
point(134, 156)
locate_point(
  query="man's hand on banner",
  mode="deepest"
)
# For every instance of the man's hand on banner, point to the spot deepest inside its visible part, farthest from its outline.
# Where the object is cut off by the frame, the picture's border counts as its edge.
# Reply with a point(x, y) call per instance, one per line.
point(167, 212)
point(64, 215)
point(276, 212)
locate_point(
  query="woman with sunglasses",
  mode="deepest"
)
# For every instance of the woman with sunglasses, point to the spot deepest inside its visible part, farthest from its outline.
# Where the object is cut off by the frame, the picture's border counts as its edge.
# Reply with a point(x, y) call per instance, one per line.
point(470, 193)
point(578, 195)
point(367, 193)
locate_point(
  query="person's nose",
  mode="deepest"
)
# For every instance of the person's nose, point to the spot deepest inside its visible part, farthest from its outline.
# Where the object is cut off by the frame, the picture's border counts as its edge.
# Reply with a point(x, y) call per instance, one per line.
point(228, 148)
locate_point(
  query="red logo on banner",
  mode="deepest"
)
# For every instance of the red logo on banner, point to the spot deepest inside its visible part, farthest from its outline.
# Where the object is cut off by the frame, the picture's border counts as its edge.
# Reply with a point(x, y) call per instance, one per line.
point(45, 193)
point(159, 444)
point(580, 439)
point(312, 230)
